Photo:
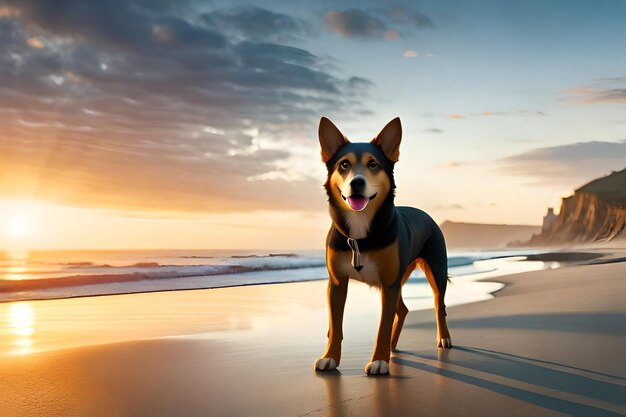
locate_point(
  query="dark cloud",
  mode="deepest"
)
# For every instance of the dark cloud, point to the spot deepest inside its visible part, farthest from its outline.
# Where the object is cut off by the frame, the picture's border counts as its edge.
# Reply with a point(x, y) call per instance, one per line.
point(145, 105)
point(433, 130)
point(567, 165)
point(357, 85)
point(355, 23)
point(375, 24)
point(249, 22)
point(404, 16)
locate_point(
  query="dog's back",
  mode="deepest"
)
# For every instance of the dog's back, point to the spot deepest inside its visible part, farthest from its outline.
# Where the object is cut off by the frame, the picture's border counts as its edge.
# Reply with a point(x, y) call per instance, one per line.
point(424, 240)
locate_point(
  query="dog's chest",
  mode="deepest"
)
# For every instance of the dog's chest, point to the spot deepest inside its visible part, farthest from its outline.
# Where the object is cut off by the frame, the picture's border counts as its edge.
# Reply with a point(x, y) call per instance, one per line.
point(379, 267)
point(369, 274)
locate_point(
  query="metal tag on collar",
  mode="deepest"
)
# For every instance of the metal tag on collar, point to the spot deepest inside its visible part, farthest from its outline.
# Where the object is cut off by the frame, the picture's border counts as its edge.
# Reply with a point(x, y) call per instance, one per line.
point(356, 255)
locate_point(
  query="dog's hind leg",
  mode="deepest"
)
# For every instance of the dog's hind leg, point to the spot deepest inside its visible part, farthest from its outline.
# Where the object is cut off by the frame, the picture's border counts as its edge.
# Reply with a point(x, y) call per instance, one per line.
point(433, 261)
point(443, 334)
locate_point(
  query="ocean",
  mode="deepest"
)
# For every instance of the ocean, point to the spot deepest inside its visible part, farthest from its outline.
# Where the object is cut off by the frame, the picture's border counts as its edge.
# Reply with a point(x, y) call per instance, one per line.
point(62, 274)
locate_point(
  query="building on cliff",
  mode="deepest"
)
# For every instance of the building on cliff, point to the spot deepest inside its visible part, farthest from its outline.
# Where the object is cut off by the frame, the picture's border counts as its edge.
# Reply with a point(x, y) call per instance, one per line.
point(596, 212)
point(548, 220)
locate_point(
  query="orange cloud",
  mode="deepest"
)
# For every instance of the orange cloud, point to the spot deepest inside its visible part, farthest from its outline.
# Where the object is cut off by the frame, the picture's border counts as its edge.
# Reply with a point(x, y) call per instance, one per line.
point(456, 116)
point(6, 11)
point(591, 95)
point(35, 42)
point(410, 54)
point(392, 35)
point(162, 33)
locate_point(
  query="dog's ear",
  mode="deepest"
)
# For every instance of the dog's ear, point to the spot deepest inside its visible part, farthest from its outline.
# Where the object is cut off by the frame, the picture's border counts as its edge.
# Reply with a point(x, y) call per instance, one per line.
point(389, 139)
point(331, 139)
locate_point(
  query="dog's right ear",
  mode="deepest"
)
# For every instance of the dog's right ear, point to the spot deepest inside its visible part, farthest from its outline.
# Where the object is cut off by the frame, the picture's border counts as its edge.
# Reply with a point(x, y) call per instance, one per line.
point(331, 139)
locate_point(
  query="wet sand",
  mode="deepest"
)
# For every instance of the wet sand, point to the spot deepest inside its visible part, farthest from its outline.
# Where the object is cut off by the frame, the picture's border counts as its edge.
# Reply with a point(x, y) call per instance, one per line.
point(550, 343)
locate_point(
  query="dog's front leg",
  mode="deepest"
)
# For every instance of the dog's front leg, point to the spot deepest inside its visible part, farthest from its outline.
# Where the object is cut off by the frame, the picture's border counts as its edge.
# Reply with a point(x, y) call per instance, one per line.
point(379, 365)
point(337, 292)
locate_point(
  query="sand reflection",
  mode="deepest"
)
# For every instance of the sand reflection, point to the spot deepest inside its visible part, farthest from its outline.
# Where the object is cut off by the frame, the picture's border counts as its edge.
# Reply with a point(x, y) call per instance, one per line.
point(21, 323)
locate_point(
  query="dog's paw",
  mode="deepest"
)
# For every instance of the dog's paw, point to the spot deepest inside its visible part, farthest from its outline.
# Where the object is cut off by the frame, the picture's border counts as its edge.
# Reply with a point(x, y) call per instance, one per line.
point(445, 343)
point(377, 368)
point(325, 364)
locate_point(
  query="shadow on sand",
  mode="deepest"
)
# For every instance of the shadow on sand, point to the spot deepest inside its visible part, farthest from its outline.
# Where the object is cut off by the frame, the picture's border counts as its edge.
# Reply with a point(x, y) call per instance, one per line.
point(598, 323)
point(575, 391)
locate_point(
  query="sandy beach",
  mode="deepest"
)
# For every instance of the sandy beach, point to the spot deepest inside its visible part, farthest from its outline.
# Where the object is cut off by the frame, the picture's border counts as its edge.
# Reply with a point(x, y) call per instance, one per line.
point(551, 342)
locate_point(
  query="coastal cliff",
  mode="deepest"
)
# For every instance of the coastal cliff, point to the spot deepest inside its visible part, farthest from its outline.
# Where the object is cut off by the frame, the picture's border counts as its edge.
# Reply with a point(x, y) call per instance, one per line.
point(596, 212)
point(484, 236)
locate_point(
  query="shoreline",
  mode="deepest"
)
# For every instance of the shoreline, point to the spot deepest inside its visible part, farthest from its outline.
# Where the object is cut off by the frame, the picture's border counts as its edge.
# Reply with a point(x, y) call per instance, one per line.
point(107, 284)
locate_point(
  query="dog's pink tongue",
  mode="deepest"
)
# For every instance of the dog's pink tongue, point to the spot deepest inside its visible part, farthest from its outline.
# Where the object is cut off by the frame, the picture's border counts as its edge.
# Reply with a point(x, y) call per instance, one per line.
point(357, 202)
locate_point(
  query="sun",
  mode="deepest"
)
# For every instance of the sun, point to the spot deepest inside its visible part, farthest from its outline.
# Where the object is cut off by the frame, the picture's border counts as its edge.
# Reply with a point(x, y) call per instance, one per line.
point(19, 226)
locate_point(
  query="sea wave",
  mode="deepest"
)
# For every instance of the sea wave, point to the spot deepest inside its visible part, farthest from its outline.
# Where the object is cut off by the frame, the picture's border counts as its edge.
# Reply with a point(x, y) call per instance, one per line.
point(123, 272)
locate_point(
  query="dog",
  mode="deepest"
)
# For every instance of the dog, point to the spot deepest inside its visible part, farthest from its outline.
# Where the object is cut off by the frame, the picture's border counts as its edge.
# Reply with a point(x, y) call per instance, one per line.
point(373, 241)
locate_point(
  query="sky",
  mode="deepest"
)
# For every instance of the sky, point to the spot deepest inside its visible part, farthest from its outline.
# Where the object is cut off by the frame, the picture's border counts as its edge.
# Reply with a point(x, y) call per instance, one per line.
point(190, 124)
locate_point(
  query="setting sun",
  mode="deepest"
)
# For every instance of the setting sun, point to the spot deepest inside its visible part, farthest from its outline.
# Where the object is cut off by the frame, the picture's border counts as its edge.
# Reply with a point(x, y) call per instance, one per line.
point(19, 226)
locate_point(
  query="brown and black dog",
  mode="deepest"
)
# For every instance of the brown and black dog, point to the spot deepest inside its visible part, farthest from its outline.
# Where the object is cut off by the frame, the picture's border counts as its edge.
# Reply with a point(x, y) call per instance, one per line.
point(373, 241)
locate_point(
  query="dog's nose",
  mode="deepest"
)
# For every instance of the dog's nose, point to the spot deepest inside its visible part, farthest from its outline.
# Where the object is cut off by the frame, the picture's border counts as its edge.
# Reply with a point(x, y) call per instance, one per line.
point(358, 185)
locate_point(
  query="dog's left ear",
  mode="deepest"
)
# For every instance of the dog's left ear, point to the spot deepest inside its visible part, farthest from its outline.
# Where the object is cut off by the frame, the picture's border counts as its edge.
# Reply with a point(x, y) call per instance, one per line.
point(389, 139)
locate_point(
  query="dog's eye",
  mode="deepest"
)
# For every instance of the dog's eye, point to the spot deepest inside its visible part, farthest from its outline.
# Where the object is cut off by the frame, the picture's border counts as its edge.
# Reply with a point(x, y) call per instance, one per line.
point(344, 165)
point(372, 165)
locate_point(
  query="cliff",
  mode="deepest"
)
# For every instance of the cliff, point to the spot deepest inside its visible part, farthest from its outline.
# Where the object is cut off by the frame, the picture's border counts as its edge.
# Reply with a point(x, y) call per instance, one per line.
point(596, 212)
point(484, 236)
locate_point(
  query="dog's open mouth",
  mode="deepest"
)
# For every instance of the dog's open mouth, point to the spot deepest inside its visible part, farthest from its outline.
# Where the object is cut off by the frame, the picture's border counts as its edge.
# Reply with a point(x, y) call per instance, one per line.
point(358, 202)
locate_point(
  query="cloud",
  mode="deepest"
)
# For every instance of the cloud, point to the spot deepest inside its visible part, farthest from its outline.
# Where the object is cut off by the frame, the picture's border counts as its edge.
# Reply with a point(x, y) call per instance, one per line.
point(407, 17)
point(148, 105)
point(569, 165)
point(609, 80)
point(448, 207)
point(392, 35)
point(6, 11)
point(410, 54)
point(513, 113)
point(452, 165)
point(604, 91)
point(497, 113)
point(433, 130)
point(376, 24)
point(35, 42)
point(251, 22)
point(589, 95)
point(355, 23)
